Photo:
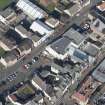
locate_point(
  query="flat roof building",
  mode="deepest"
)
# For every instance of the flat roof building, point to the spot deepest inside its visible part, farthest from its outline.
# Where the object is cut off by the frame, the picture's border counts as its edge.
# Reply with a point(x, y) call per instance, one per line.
point(99, 72)
point(58, 49)
point(91, 49)
point(76, 38)
point(9, 40)
point(73, 10)
point(52, 22)
point(40, 27)
point(31, 9)
point(98, 27)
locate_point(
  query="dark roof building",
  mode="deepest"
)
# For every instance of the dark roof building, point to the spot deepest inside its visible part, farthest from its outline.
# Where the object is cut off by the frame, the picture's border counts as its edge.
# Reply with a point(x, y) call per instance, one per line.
point(60, 45)
point(9, 40)
point(25, 46)
point(99, 72)
point(10, 58)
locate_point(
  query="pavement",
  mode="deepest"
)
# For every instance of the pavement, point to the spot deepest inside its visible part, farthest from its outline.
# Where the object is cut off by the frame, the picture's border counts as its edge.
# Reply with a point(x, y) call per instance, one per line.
point(23, 74)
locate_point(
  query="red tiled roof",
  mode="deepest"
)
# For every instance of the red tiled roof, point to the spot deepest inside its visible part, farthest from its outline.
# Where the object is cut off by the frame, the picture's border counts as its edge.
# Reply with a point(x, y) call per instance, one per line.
point(79, 97)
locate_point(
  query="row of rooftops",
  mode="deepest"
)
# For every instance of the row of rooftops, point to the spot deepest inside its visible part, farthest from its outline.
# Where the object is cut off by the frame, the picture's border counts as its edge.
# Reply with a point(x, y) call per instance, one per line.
point(68, 46)
point(11, 57)
point(23, 28)
point(24, 94)
point(70, 42)
point(97, 78)
point(43, 81)
point(83, 95)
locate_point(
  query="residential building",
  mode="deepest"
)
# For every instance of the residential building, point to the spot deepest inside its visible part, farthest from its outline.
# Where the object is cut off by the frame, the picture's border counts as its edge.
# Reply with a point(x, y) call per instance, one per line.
point(91, 49)
point(35, 37)
point(10, 58)
point(99, 72)
point(25, 47)
point(79, 56)
point(98, 27)
point(30, 9)
point(58, 49)
point(24, 94)
point(74, 70)
point(84, 93)
point(61, 48)
point(47, 2)
point(40, 84)
point(52, 22)
point(9, 40)
point(73, 10)
point(42, 28)
point(9, 14)
point(23, 31)
point(83, 3)
point(76, 38)
point(101, 6)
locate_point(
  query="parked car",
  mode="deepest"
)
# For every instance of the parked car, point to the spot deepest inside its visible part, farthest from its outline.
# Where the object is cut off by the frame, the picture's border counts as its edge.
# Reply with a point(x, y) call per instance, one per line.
point(26, 66)
point(12, 76)
point(34, 59)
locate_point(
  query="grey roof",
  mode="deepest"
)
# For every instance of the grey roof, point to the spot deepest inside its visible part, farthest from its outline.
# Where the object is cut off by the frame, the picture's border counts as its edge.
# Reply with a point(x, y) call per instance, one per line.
point(8, 40)
point(74, 36)
point(67, 68)
point(45, 73)
point(24, 30)
point(99, 72)
point(60, 45)
point(91, 49)
point(8, 11)
point(29, 34)
point(35, 37)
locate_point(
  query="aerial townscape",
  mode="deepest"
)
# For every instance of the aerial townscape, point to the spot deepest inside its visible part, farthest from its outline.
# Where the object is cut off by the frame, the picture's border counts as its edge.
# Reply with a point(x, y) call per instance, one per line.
point(52, 52)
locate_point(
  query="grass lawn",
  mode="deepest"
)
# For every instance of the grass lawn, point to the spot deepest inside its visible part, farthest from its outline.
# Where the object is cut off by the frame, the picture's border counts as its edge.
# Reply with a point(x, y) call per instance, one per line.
point(4, 3)
point(1, 51)
point(27, 90)
point(51, 7)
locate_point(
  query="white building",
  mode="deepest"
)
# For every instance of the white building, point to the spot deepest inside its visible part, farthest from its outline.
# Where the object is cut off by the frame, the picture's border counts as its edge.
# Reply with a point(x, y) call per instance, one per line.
point(59, 49)
point(31, 9)
point(52, 22)
point(40, 27)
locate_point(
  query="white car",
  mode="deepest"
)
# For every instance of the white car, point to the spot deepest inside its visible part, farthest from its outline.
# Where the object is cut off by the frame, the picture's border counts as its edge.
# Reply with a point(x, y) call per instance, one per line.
point(26, 66)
